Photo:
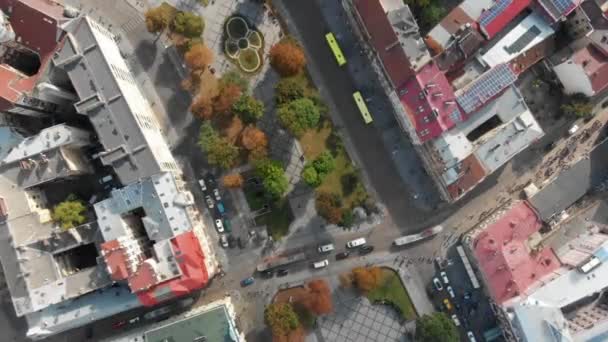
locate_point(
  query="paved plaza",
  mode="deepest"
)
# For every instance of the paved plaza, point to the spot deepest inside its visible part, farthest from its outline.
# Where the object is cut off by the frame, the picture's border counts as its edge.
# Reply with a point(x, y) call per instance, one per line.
point(356, 320)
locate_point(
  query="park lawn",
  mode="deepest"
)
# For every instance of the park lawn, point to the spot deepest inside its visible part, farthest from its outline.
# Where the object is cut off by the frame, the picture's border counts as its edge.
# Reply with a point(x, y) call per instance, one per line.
point(277, 221)
point(315, 142)
point(392, 290)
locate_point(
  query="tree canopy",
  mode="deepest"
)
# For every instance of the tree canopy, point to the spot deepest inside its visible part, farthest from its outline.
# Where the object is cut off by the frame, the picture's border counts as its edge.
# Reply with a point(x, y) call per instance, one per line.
point(248, 109)
point(236, 78)
point(578, 105)
point(329, 207)
point(367, 278)
point(158, 19)
point(233, 180)
point(273, 177)
point(69, 213)
point(287, 58)
point(436, 327)
point(281, 318)
point(319, 297)
point(198, 57)
point(188, 24)
point(310, 176)
point(324, 163)
point(253, 138)
point(227, 97)
point(219, 150)
point(290, 88)
point(299, 115)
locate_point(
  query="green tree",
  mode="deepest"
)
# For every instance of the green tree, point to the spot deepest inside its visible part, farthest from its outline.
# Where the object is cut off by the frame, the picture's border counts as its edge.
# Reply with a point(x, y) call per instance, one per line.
point(236, 78)
point(348, 219)
point(578, 105)
point(273, 177)
point(329, 206)
point(158, 19)
point(219, 150)
point(432, 14)
point(290, 88)
point(70, 213)
point(248, 109)
point(188, 24)
point(436, 327)
point(324, 163)
point(310, 176)
point(299, 115)
point(281, 318)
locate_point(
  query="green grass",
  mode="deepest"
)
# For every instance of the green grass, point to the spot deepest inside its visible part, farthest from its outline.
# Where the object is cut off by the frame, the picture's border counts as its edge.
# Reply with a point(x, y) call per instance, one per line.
point(277, 221)
point(392, 290)
point(249, 60)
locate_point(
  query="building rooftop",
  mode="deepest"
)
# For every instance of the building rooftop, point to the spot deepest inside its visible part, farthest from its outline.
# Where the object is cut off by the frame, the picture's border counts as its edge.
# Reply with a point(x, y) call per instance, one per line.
point(483, 89)
point(558, 9)
point(540, 322)
point(595, 65)
point(109, 96)
point(430, 103)
point(497, 17)
point(468, 174)
point(505, 259)
point(528, 33)
point(465, 44)
point(405, 26)
point(385, 41)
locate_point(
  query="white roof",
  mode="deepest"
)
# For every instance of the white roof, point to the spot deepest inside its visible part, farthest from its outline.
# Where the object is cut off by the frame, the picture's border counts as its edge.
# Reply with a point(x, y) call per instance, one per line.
point(528, 33)
point(474, 7)
point(391, 5)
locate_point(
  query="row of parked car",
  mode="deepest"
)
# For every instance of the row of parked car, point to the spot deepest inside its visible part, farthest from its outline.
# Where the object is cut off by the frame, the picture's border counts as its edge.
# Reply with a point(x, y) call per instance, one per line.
point(439, 286)
point(222, 223)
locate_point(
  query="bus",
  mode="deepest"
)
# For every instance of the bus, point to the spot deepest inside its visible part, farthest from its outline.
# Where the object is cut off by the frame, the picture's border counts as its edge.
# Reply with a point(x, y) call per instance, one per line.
point(335, 48)
point(406, 240)
point(367, 117)
point(272, 263)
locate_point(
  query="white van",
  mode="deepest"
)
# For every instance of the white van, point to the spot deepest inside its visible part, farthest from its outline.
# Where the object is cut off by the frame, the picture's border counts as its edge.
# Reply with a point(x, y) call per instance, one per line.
point(356, 243)
point(326, 248)
point(320, 264)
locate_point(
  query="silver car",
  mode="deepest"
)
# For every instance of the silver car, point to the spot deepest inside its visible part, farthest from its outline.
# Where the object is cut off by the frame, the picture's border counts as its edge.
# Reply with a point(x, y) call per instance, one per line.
point(209, 201)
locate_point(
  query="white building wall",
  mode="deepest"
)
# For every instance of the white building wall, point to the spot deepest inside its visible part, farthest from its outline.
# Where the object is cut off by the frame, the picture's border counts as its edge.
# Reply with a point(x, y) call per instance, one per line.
point(573, 78)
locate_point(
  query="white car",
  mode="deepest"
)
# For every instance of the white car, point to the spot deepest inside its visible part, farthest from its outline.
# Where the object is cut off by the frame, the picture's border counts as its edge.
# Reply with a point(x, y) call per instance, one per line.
point(573, 129)
point(451, 292)
point(201, 182)
point(216, 193)
point(456, 320)
point(437, 284)
point(355, 243)
point(219, 225)
point(326, 248)
point(209, 201)
point(224, 241)
point(471, 336)
point(444, 277)
point(320, 264)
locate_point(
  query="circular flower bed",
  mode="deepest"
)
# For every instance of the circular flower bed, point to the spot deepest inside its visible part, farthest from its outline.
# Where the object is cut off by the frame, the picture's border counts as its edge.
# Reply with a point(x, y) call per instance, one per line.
point(243, 44)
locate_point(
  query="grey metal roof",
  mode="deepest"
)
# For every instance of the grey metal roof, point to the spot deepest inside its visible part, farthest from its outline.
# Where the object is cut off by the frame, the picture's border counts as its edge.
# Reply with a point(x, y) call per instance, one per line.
point(405, 27)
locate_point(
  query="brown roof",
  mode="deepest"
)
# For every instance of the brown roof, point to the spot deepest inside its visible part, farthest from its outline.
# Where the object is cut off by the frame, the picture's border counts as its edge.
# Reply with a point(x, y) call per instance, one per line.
point(471, 174)
point(385, 41)
point(455, 19)
point(539, 51)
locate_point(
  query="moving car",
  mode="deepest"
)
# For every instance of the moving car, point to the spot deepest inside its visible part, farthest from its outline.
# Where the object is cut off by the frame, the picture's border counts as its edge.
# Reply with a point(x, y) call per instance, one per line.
point(437, 284)
point(456, 320)
point(201, 183)
point(282, 272)
point(447, 304)
point(216, 193)
point(209, 201)
point(342, 256)
point(224, 241)
point(451, 292)
point(219, 225)
point(366, 249)
point(356, 243)
point(326, 248)
point(471, 336)
point(444, 276)
point(320, 264)
point(247, 281)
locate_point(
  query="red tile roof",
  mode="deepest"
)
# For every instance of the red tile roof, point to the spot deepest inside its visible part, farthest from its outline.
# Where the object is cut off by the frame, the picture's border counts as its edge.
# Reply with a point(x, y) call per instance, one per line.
point(595, 65)
point(430, 103)
point(385, 41)
point(115, 259)
point(471, 173)
point(500, 15)
point(506, 262)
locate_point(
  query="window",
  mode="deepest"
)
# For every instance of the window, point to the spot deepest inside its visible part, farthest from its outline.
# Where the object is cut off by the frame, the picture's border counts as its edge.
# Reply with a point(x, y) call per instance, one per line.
point(424, 132)
point(426, 119)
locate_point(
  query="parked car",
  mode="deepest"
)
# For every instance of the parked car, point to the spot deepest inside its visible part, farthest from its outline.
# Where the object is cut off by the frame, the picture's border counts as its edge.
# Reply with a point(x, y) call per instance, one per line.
point(342, 256)
point(267, 274)
point(219, 225)
point(247, 281)
point(282, 272)
point(447, 304)
point(231, 241)
point(573, 129)
point(471, 336)
point(326, 248)
point(220, 208)
point(366, 249)
point(227, 225)
point(451, 292)
point(224, 241)
point(320, 264)
point(355, 243)
point(437, 284)
point(444, 277)
point(216, 193)
point(201, 183)
point(456, 320)
point(467, 295)
point(209, 201)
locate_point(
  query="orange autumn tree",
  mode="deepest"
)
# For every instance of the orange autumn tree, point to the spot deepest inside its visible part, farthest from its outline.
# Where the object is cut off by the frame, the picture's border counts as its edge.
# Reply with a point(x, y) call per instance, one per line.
point(287, 58)
point(367, 278)
point(319, 300)
point(253, 138)
point(198, 57)
point(202, 107)
point(227, 96)
point(233, 180)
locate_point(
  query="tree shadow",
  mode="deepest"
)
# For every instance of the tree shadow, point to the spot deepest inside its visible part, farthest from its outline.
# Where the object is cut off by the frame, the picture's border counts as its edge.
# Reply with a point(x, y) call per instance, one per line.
point(146, 53)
